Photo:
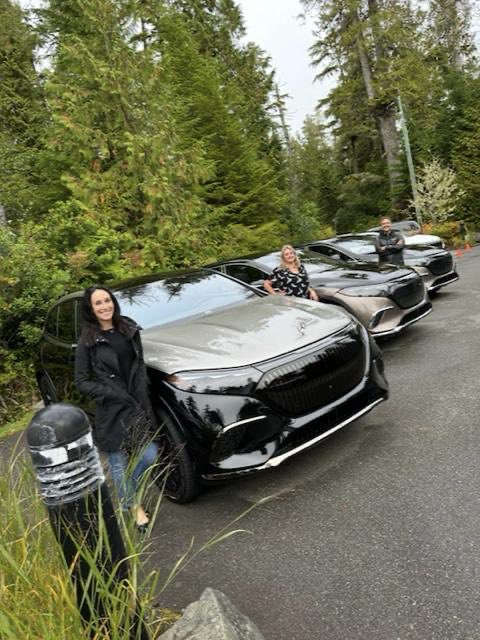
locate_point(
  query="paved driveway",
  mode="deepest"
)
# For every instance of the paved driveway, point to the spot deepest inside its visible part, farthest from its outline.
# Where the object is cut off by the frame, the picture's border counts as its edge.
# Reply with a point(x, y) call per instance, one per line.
point(375, 533)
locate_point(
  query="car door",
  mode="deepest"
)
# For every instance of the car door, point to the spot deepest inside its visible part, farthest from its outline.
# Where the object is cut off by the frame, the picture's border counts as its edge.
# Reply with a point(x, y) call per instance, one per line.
point(330, 252)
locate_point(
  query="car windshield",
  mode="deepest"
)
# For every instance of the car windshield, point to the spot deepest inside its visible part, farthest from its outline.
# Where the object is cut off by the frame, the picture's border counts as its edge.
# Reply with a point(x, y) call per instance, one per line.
point(357, 245)
point(178, 297)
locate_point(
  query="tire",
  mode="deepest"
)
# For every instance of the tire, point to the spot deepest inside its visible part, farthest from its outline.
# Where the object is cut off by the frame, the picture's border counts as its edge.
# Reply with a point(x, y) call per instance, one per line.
point(47, 390)
point(177, 477)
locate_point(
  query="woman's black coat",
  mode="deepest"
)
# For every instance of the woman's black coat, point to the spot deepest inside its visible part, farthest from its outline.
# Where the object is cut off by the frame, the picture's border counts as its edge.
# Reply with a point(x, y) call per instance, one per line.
point(97, 376)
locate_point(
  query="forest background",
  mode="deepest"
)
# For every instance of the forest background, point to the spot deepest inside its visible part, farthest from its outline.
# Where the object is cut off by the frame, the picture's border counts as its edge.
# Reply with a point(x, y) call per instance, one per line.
point(147, 135)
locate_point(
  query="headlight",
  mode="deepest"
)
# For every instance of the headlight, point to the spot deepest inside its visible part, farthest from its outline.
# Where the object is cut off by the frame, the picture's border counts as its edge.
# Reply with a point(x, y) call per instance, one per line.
point(374, 291)
point(422, 271)
point(241, 381)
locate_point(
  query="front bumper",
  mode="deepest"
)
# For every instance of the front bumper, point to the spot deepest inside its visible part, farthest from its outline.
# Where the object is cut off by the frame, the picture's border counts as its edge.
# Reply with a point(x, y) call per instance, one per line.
point(442, 281)
point(416, 314)
point(434, 281)
point(300, 436)
point(382, 316)
point(233, 435)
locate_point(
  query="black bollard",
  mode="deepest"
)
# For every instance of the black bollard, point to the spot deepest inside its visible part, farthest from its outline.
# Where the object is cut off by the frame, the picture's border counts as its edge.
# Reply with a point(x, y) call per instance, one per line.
point(72, 485)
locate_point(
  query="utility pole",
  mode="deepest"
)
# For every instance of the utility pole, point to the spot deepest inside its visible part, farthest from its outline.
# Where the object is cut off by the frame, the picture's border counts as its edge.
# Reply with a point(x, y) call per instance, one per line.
point(411, 169)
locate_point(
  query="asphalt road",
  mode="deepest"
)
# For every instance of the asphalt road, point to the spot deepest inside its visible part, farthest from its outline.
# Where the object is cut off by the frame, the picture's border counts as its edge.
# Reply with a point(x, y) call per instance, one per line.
point(373, 534)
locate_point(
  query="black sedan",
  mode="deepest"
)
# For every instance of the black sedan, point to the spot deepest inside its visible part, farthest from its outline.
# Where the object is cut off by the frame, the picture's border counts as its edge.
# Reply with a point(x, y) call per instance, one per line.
point(436, 266)
point(240, 381)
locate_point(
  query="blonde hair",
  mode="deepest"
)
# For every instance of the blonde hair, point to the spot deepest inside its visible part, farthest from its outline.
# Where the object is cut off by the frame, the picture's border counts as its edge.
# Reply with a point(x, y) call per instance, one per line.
point(282, 252)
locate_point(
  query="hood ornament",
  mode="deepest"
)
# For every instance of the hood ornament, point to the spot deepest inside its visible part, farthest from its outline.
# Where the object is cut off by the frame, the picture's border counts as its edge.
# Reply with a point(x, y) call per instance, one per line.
point(301, 328)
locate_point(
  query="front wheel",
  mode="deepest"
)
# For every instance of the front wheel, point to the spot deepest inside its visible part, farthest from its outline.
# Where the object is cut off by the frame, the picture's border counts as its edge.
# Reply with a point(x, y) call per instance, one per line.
point(176, 476)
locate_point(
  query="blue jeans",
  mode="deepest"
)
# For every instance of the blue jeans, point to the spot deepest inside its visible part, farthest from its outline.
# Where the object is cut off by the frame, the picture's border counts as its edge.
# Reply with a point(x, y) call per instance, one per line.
point(126, 474)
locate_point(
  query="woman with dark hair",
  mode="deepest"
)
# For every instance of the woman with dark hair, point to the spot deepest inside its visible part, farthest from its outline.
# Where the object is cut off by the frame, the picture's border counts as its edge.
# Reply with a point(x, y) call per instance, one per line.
point(109, 369)
point(290, 278)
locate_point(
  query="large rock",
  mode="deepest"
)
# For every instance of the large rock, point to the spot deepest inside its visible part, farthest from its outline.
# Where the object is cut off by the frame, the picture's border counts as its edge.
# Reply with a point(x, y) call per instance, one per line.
point(213, 617)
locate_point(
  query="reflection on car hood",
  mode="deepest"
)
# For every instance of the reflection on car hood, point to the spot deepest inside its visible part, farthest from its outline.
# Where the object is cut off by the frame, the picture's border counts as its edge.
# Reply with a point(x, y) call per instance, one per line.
point(421, 238)
point(360, 274)
point(258, 330)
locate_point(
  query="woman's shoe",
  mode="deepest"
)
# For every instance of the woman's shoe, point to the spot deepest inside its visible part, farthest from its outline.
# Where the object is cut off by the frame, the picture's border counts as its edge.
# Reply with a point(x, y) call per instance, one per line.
point(143, 516)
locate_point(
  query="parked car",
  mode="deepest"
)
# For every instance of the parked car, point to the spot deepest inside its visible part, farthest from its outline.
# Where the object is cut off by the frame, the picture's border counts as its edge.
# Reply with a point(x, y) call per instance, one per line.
point(240, 381)
point(385, 298)
point(436, 266)
point(413, 235)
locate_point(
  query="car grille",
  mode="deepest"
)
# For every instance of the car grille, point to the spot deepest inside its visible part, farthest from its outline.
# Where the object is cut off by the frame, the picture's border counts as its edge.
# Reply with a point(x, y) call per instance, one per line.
point(439, 266)
point(409, 294)
point(343, 412)
point(299, 386)
point(417, 313)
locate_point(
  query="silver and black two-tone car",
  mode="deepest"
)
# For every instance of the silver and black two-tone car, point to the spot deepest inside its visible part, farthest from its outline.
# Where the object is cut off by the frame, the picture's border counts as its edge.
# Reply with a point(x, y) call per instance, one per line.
point(385, 298)
point(436, 266)
point(240, 381)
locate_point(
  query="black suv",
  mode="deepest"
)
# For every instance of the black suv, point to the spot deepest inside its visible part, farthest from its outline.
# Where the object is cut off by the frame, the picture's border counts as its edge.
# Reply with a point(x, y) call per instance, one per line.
point(240, 381)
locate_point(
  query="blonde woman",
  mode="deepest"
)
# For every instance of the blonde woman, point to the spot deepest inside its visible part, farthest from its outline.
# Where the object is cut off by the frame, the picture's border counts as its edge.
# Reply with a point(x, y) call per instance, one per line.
point(290, 278)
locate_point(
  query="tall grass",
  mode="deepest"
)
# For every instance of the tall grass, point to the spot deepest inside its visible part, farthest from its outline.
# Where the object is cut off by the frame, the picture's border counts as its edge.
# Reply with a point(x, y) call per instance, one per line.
point(37, 599)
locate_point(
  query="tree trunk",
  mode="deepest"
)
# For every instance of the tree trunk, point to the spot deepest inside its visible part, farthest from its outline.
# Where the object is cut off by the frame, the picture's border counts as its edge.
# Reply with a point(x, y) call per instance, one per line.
point(3, 217)
point(385, 116)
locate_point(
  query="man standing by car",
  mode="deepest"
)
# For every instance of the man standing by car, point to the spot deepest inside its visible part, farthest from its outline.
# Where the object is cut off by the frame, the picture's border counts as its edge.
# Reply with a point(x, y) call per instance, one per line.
point(389, 243)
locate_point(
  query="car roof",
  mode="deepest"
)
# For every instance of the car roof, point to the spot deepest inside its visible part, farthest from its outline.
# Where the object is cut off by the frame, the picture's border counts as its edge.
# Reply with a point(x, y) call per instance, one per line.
point(398, 224)
point(272, 258)
point(345, 236)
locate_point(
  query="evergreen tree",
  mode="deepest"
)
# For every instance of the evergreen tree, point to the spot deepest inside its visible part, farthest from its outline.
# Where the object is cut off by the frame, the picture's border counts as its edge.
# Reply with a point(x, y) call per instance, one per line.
point(375, 46)
point(22, 114)
point(115, 138)
point(315, 173)
point(224, 103)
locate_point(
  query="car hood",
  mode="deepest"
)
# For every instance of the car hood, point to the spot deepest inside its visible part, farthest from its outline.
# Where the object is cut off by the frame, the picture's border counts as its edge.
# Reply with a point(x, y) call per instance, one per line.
point(421, 255)
point(260, 329)
point(360, 274)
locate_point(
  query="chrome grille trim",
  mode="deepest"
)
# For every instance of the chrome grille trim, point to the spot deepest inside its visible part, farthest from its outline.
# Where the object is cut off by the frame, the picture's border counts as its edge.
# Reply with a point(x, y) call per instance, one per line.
point(317, 379)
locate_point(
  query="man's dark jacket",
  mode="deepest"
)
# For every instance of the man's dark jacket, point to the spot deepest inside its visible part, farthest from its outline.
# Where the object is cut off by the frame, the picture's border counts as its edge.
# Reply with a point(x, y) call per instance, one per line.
point(97, 376)
point(394, 243)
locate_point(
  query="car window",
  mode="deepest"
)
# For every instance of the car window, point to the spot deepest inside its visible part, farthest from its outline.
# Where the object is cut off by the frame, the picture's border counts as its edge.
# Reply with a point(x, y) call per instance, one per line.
point(51, 322)
point(324, 250)
point(245, 273)
point(66, 323)
point(357, 245)
point(176, 298)
point(407, 227)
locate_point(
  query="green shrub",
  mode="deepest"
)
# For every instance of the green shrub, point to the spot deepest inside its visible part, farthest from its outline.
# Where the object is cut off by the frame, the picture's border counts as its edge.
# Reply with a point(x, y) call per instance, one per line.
point(30, 280)
point(448, 231)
